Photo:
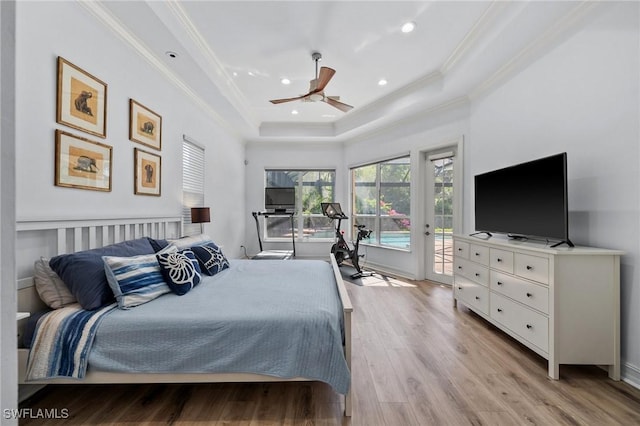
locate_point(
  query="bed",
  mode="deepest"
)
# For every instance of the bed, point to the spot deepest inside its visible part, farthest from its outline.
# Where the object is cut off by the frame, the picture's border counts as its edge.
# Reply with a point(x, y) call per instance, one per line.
point(239, 325)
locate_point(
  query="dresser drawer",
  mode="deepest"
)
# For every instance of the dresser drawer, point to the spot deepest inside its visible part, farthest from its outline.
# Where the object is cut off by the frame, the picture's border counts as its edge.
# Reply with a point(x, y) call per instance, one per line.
point(532, 267)
point(501, 259)
point(472, 294)
point(472, 271)
point(532, 326)
point(530, 294)
point(461, 249)
point(479, 254)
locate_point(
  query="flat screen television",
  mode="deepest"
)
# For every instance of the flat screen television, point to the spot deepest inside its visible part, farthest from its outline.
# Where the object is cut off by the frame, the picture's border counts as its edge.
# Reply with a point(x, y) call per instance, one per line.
point(525, 200)
point(279, 199)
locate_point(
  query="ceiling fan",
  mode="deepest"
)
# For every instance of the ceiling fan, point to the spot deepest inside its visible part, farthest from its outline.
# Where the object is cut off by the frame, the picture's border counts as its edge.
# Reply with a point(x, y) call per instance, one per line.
point(316, 88)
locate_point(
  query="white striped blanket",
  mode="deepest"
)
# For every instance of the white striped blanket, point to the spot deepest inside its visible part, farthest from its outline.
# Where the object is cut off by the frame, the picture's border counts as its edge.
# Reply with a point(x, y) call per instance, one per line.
point(62, 341)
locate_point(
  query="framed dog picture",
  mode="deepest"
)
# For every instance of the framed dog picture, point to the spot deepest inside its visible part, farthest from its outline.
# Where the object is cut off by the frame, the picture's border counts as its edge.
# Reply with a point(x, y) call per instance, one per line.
point(145, 126)
point(81, 100)
point(81, 163)
point(147, 172)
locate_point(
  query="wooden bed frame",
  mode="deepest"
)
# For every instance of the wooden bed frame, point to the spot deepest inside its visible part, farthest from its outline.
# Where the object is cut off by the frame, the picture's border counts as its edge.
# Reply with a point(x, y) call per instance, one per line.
point(77, 235)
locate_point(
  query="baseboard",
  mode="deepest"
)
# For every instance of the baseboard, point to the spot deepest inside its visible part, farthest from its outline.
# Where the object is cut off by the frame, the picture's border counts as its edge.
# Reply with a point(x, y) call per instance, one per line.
point(386, 270)
point(630, 374)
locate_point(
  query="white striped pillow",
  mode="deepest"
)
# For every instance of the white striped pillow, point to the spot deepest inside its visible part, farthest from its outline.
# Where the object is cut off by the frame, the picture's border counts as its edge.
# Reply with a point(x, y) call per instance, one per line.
point(188, 242)
point(50, 287)
point(135, 280)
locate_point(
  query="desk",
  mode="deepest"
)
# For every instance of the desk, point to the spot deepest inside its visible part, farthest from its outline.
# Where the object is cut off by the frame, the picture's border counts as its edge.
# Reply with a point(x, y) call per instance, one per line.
point(274, 254)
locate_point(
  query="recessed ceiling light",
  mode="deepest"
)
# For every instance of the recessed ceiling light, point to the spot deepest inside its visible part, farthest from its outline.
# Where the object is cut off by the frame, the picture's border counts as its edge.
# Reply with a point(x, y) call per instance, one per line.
point(250, 73)
point(382, 82)
point(408, 27)
point(328, 115)
point(171, 54)
point(294, 112)
point(235, 74)
point(285, 81)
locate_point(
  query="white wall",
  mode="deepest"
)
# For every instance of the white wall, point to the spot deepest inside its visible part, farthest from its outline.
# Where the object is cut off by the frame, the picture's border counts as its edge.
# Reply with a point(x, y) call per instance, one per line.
point(261, 156)
point(8, 340)
point(86, 42)
point(582, 97)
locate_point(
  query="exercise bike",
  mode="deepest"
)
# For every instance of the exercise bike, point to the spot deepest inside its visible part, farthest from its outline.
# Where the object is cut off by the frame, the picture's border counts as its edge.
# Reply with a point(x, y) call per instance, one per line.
point(340, 249)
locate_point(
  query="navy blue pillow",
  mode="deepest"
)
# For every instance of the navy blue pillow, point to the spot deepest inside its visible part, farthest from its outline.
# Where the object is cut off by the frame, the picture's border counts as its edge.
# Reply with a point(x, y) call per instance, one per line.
point(180, 270)
point(211, 258)
point(83, 272)
point(158, 244)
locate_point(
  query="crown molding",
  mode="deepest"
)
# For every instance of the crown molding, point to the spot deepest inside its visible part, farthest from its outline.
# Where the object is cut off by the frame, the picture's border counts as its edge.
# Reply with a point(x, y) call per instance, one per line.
point(473, 36)
point(410, 118)
point(535, 49)
point(213, 67)
point(116, 26)
point(399, 108)
point(295, 130)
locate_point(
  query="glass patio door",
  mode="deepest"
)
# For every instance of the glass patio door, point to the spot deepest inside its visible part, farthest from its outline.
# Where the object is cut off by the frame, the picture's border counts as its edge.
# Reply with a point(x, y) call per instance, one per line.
point(440, 217)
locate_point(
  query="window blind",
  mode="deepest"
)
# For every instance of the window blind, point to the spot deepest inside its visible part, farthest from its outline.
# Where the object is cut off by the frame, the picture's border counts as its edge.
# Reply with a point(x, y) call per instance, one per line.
point(192, 183)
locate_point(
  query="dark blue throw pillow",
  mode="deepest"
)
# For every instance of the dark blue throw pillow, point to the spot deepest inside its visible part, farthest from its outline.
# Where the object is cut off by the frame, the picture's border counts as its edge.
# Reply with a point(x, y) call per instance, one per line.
point(83, 272)
point(211, 258)
point(180, 271)
point(158, 244)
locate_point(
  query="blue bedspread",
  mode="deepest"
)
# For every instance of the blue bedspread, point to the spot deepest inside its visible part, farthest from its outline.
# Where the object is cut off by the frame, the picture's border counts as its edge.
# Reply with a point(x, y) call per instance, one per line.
point(273, 317)
point(62, 341)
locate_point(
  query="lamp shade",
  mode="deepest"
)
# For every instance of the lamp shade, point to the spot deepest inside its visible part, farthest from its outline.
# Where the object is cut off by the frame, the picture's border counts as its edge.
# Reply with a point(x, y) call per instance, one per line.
point(200, 215)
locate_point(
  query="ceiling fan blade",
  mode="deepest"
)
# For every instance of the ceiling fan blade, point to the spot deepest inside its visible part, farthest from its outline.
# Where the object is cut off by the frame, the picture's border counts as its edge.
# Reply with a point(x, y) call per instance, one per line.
point(280, 101)
point(326, 74)
point(340, 105)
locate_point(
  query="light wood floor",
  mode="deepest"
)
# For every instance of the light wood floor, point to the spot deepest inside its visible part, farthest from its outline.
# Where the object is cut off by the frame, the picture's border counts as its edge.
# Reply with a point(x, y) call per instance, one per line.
point(416, 361)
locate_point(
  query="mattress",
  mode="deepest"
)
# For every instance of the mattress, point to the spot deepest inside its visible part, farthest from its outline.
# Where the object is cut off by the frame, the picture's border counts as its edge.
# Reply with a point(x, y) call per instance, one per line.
point(273, 317)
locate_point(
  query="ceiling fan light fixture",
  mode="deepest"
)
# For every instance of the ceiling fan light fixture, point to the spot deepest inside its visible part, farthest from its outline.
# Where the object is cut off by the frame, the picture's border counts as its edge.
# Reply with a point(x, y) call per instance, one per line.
point(408, 27)
point(316, 88)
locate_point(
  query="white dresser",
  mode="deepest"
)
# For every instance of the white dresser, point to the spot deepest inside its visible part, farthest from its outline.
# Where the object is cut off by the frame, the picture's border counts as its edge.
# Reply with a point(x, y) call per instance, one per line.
point(563, 303)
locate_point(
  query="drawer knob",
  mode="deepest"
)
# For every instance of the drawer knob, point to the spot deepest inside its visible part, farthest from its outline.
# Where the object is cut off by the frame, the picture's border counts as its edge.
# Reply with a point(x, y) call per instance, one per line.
point(499, 310)
point(459, 267)
point(459, 249)
point(499, 260)
point(529, 268)
point(477, 254)
point(529, 326)
point(477, 274)
point(459, 288)
point(477, 297)
point(529, 295)
point(499, 283)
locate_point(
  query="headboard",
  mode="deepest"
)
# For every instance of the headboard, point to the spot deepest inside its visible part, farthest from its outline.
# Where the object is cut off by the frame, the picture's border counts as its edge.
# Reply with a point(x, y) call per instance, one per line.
point(50, 238)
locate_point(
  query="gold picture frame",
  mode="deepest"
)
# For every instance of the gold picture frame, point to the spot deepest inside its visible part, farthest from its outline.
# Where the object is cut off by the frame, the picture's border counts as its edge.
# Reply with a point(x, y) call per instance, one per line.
point(145, 126)
point(147, 173)
point(81, 99)
point(82, 163)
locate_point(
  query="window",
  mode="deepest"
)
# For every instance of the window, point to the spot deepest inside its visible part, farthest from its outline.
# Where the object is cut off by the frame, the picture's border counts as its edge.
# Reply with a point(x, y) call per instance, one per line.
point(192, 184)
point(312, 188)
point(381, 200)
